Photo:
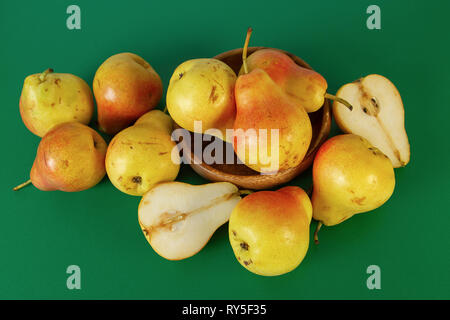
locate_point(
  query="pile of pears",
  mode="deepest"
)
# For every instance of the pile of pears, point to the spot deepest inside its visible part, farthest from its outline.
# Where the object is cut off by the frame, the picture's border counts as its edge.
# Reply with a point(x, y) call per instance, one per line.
point(269, 231)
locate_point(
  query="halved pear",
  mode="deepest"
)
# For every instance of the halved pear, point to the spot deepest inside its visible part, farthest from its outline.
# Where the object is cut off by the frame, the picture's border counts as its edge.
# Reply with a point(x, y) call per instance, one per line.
point(178, 219)
point(378, 115)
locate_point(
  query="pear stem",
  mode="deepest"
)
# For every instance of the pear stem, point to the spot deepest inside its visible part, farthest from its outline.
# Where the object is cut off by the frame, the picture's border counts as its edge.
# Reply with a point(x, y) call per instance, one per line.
point(244, 52)
point(45, 73)
point(344, 102)
point(165, 110)
point(316, 233)
point(246, 192)
point(20, 186)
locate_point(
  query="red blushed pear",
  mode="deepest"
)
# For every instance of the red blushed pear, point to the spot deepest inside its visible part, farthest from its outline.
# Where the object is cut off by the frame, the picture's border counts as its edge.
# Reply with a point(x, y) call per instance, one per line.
point(125, 87)
point(269, 230)
point(306, 86)
point(272, 131)
point(70, 157)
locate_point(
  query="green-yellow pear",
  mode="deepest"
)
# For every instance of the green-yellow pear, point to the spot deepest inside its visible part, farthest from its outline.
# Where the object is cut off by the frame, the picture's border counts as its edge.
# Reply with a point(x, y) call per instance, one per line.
point(202, 90)
point(269, 230)
point(70, 157)
point(49, 99)
point(350, 176)
point(178, 219)
point(272, 131)
point(143, 155)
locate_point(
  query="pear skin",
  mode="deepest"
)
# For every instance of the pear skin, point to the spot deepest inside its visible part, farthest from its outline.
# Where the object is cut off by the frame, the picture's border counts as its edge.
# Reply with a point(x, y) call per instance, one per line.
point(269, 230)
point(70, 157)
point(38, 180)
point(140, 156)
point(125, 87)
point(49, 99)
point(306, 86)
point(262, 105)
point(350, 176)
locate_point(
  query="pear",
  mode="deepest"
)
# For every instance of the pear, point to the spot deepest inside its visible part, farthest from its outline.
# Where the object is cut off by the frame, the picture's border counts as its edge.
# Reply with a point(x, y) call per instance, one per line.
point(202, 90)
point(269, 230)
point(378, 116)
point(350, 176)
point(178, 219)
point(125, 87)
point(143, 155)
point(70, 157)
point(272, 131)
point(306, 86)
point(49, 99)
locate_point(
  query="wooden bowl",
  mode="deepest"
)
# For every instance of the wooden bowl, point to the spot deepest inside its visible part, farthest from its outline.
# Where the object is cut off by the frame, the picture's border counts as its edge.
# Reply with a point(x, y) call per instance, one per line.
point(240, 174)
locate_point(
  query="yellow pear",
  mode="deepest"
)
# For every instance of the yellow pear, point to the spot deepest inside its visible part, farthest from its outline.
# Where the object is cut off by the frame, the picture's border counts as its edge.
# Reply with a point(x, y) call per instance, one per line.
point(269, 230)
point(49, 99)
point(202, 90)
point(141, 156)
point(350, 176)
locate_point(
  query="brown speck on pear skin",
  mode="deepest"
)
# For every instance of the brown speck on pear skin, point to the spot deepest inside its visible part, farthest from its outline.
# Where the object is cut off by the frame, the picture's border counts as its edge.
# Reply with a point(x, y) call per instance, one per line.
point(358, 201)
point(137, 179)
point(374, 151)
point(244, 245)
point(213, 96)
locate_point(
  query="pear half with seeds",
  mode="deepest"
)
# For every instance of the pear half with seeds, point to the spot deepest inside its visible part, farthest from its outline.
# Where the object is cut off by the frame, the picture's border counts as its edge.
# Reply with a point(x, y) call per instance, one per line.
point(378, 115)
point(178, 219)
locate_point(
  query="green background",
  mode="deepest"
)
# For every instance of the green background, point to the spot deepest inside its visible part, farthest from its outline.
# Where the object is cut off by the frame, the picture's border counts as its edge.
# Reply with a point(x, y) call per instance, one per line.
point(41, 233)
